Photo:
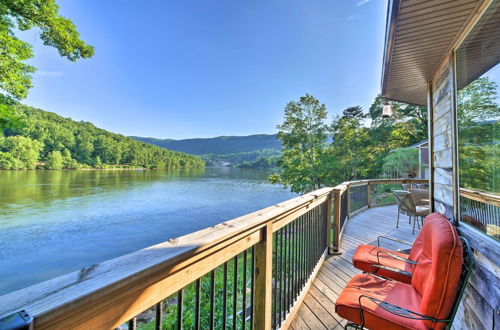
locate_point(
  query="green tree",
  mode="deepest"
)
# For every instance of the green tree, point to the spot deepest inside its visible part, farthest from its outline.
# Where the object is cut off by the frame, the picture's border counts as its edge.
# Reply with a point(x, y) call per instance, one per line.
point(9, 162)
point(477, 102)
point(55, 160)
point(54, 30)
point(304, 136)
point(355, 112)
point(98, 162)
point(8, 118)
point(24, 149)
point(348, 155)
point(68, 161)
point(479, 133)
point(400, 163)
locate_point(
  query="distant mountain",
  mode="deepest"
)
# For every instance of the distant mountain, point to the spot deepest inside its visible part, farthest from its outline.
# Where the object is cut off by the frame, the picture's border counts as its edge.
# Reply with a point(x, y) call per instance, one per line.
point(221, 145)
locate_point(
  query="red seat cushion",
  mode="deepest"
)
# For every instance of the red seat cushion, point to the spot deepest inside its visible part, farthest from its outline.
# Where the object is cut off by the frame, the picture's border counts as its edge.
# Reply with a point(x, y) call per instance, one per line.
point(401, 294)
point(366, 256)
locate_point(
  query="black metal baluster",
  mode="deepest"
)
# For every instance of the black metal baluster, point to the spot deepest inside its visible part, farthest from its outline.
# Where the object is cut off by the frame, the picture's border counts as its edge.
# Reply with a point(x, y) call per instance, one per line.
point(282, 274)
point(244, 300)
point(278, 278)
point(132, 324)
point(302, 248)
point(275, 279)
point(311, 242)
point(289, 267)
point(296, 274)
point(224, 298)
point(316, 237)
point(310, 245)
point(319, 222)
point(197, 319)
point(292, 263)
point(179, 310)
point(159, 315)
point(304, 261)
point(252, 288)
point(287, 270)
point(235, 290)
point(212, 298)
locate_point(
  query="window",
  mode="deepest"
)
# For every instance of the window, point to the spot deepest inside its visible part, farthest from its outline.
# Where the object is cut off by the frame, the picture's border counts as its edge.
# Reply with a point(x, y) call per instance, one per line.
point(478, 106)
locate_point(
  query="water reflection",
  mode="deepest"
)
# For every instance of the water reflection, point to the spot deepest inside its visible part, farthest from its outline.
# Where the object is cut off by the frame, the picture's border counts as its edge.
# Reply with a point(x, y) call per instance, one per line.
point(54, 222)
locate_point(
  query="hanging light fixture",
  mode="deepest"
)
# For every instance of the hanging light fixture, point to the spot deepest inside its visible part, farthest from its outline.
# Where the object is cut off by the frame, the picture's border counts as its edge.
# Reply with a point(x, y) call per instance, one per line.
point(387, 110)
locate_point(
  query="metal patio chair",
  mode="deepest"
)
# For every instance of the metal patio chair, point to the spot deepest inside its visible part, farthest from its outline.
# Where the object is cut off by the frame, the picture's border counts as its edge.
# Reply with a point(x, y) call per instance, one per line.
point(407, 206)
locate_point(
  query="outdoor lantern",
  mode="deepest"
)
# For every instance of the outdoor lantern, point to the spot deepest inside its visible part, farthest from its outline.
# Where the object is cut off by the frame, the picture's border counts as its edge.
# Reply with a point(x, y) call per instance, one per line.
point(387, 110)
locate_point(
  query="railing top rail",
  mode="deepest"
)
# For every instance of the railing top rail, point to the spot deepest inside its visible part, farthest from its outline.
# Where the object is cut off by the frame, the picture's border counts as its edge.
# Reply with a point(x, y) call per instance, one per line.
point(480, 196)
point(344, 185)
point(61, 296)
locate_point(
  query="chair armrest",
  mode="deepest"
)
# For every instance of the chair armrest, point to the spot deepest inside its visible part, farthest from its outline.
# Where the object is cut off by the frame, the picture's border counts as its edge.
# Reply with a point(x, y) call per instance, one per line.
point(395, 256)
point(395, 270)
point(397, 310)
point(392, 239)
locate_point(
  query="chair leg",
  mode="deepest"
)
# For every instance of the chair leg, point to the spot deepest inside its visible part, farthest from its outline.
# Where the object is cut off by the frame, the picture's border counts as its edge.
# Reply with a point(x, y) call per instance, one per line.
point(397, 223)
point(409, 219)
point(414, 220)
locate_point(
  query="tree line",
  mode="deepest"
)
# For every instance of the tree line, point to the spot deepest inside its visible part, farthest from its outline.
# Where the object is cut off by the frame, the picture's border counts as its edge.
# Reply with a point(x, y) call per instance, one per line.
point(37, 138)
point(361, 145)
point(316, 153)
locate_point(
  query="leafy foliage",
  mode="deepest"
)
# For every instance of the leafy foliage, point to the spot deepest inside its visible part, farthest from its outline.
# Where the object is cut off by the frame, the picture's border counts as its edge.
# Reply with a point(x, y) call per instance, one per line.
point(479, 133)
point(54, 30)
point(303, 135)
point(64, 143)
point(356, 151)
point(401, 162)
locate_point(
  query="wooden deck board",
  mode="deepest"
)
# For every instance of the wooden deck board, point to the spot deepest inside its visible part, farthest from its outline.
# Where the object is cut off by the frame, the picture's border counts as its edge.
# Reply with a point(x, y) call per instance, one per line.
point(318, 310)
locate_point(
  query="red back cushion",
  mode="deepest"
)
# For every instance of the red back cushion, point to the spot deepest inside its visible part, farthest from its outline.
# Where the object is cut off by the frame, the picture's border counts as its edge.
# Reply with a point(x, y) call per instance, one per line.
point(437, 274)
point(418, 244)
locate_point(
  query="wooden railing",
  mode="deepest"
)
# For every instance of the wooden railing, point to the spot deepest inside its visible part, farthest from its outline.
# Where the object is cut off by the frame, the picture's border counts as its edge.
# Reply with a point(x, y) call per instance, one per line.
point(250, 272)
point(481, 210)
point(352, 197)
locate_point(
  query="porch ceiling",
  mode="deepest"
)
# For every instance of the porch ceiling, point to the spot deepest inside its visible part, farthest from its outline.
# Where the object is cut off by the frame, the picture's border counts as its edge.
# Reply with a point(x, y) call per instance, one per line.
point(419, 34)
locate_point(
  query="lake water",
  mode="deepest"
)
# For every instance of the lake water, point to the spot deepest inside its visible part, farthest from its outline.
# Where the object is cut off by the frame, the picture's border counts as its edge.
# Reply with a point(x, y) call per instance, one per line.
point(55, 222)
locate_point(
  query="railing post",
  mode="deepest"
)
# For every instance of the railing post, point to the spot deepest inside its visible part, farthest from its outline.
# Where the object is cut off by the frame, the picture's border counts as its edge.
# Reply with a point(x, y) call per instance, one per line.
point(348, 202)
point(329, 222)
point(336, 220)
point(263, 280)
point(369, 189)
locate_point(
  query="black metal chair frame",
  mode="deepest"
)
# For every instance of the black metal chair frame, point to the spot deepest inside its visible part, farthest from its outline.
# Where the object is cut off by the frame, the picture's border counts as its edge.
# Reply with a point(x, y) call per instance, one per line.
point(417, 219)
point(467, 264)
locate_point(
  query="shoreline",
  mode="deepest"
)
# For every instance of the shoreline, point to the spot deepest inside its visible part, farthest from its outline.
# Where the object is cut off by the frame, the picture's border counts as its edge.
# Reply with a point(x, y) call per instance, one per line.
point(101, 169)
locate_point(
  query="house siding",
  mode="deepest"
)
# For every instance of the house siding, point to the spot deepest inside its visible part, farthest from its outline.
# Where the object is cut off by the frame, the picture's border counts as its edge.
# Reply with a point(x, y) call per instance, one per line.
point(480, 306)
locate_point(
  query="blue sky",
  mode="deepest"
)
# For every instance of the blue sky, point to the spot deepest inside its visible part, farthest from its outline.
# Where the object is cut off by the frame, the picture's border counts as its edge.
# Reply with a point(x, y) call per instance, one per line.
point(185, 68)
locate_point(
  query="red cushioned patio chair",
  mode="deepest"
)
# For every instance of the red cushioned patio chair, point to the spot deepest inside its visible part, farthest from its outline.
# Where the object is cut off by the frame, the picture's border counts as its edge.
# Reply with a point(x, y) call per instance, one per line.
point(397, 265)
point(430, 301)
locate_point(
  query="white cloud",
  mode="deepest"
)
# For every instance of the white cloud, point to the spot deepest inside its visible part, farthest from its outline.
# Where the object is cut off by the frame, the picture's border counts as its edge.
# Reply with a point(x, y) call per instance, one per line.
point(362, 2)
point(50, 74)
point(353, 17)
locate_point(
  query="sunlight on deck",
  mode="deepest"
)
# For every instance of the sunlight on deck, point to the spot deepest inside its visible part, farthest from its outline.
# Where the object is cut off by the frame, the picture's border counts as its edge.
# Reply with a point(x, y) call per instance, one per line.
point(317, 310)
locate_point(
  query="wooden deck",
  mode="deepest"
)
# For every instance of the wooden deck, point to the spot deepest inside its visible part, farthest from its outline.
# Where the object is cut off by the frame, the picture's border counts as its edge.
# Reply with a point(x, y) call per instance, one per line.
point(317, 311)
